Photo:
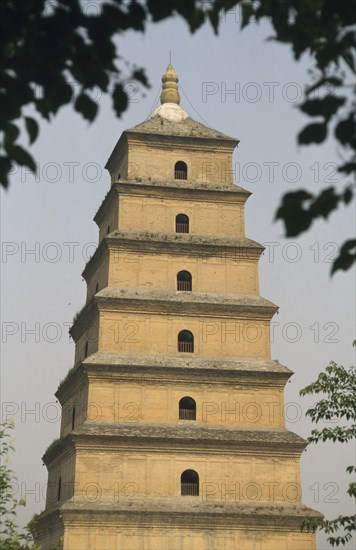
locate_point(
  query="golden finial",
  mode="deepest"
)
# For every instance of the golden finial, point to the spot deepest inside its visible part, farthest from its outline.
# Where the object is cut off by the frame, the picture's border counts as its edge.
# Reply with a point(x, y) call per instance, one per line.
point(170, 92)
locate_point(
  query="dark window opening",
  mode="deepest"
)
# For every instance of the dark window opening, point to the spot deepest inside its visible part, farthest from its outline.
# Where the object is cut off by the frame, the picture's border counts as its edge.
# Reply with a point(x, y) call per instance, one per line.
point(187, 409)
point(86, 350)
point(73, 418)
point(108, 231)
point(182, 223)
point(96, 288)
point(185, 341)
point(180, 170)
point(189, 481)
point(59, 489)
point(184, 281)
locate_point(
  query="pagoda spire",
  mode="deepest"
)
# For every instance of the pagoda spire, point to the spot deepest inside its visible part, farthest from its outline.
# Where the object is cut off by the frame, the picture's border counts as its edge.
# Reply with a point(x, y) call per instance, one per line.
point(170, 92)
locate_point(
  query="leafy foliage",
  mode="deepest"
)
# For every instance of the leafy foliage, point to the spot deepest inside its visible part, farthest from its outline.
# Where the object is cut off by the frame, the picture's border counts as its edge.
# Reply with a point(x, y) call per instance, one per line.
point(54, 53)
point(339, 404)
point(49, 48)
point(300, 208)
point(10, 538)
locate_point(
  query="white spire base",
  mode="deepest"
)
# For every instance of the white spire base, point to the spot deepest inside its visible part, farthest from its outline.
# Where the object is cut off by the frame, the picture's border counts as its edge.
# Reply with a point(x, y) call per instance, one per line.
point(171, 112)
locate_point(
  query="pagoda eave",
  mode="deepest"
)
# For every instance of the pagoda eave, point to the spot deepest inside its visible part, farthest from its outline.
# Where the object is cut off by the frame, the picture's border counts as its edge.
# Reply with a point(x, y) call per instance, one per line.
point(196, 439)
point(151, 302)
point(181, 189)
point(169, 370)
point(175, 512)
point(132, 243)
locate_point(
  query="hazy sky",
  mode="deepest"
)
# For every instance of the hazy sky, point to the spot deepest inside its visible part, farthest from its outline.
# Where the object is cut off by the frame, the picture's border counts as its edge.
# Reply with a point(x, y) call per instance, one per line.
point(51, 215)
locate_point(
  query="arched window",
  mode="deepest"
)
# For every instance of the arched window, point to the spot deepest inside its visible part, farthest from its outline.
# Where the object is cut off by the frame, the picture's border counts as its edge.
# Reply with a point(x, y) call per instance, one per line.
point(184, 280)
point(185, 341)
point(86, 350)
point(96, 288)
point(189, 482)
point(108, 230)
point(187, 409)
point(59, 490)
point(73, 418)
point(182, 223)
point(180, 170)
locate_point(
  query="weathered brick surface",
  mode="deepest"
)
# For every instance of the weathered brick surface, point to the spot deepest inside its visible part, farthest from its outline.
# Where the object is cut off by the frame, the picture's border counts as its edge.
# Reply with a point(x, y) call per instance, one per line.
point(123, 446)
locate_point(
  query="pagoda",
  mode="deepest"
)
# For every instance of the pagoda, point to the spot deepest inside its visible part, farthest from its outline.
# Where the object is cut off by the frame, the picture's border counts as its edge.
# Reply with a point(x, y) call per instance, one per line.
point(173, 434)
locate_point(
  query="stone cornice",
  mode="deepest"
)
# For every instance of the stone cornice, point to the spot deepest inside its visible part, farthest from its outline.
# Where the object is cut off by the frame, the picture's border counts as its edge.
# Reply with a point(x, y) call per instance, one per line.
point(196, 304)
point(202, 246)
point(169, 376)
point(73, 381)
point(172, 304)
point(181, 448)
point(48, 521)
point(195, 143)
point(184, 190)
point(95, 261)
point(213, 515)
point(199, 436)
point(114, 368)
point(83, 320)
point(195, 439)
point(141, 138)
point(167, 513)
point(228, 364)
point(106, 204)
point(118, 151)
point(60, 450)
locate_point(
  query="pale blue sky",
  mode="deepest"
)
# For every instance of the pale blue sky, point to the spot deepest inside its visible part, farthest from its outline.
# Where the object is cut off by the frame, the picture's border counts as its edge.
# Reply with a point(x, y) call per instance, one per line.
point(59, 209)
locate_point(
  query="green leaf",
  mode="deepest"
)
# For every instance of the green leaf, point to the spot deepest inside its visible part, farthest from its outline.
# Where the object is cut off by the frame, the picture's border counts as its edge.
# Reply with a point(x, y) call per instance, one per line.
point(196, 20)
point(349, 245)
point(214, 18)
point(137, 16)
point(22, 157)
point(313, 133)
point(348, 195)
point(120, 100)
point(348, 167)
point(296, 217)
point(346, 258)
point(160, 9)
point(5, 167)
point(11, 133)
point(247, 12)
point(32, 128)
point(329, 80)
point(325, 203)
point(86, 106)
point(345, 131)
point(140, 75)
point(325, 107)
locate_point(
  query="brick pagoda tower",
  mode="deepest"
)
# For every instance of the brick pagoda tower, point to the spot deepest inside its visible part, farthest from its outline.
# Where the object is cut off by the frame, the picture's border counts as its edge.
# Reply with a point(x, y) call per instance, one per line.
point(173, 435)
